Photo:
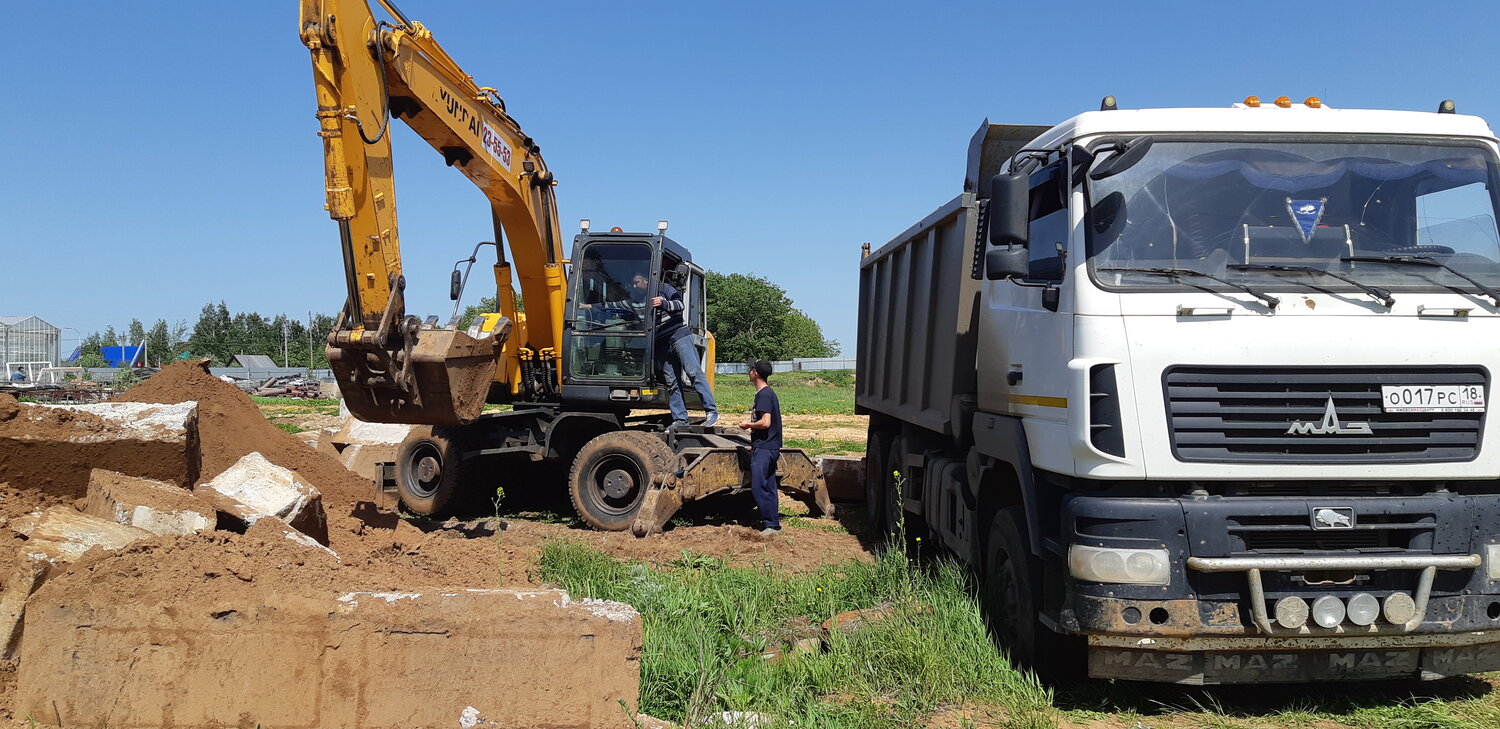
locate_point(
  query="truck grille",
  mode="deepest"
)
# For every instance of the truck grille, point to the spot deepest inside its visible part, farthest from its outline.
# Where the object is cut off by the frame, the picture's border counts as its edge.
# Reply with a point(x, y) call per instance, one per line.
point(1242, 415)
point(1294, 534)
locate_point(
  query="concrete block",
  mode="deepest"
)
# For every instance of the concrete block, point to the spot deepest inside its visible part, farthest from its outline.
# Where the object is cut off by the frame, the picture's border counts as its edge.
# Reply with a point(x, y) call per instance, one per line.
point(33, 566)
point(292, 659)
point(156, 506)
point(60, 536)
point(844, 477)
point(52, 448)
point(254, 488)
point(364, 459)
point(360, 445)
point(70, 534)
point(268, 526)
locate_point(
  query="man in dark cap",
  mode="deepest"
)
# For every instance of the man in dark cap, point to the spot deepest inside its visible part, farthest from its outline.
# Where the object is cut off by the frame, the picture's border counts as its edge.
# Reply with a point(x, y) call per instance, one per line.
point(764, 425)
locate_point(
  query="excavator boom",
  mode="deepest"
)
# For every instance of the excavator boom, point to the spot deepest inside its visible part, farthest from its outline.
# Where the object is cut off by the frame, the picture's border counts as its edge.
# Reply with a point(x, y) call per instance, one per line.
point(391, 367)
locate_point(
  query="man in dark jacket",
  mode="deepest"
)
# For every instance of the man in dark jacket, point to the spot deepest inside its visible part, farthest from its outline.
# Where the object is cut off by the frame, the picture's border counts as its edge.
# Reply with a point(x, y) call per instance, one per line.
point(679, 357)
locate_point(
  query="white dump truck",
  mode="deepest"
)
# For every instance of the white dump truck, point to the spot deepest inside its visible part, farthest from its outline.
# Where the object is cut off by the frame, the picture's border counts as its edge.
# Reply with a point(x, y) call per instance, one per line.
point(1201, 394)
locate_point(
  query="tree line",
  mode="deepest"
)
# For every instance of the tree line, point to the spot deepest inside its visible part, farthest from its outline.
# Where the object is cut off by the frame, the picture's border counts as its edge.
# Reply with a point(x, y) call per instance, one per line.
point(218, 335)
point(751, 318)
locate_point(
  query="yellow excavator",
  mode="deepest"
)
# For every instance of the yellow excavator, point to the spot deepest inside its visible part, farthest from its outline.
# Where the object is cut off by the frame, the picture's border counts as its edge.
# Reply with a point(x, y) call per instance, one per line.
point(574, 366)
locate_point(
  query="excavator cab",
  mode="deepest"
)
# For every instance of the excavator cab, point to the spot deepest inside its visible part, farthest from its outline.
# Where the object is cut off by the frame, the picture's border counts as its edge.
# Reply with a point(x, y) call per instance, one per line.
point(611, 357)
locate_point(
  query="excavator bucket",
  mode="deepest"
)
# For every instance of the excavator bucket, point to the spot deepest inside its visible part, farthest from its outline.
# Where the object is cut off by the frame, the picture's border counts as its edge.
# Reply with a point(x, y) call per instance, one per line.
point(443, 380)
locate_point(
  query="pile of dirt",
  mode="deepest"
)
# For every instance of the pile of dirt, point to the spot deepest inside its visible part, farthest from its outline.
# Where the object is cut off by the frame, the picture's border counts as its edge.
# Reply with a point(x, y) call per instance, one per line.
point(24, 420)
point(230, 426)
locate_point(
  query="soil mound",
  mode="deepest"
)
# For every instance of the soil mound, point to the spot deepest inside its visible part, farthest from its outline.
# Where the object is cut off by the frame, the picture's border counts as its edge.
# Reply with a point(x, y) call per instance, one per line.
point(230, 426)
point(8, 407)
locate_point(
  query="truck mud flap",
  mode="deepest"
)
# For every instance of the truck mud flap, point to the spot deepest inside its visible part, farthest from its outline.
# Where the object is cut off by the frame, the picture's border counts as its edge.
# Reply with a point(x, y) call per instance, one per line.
point(1292, 666)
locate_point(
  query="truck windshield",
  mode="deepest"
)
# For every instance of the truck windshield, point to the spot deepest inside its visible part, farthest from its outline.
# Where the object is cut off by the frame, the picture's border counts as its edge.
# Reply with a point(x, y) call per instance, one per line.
point(1246, 212)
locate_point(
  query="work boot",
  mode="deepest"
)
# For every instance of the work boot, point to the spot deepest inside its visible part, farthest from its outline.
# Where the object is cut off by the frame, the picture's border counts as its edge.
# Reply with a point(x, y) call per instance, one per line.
point(770, 531)
point(713, 417)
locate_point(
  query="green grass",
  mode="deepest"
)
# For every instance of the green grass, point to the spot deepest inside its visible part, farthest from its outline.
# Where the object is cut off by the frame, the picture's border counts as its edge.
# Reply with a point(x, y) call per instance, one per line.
point(820, 393)
point(290, 427)
point(308, 402)
point(707, 625)
point(821, 447)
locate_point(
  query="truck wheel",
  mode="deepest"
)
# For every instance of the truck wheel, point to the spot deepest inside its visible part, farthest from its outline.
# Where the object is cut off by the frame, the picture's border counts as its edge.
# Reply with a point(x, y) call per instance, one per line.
point(1010, 592)
point(876, 443)
point(611, 475)
point(427, 471)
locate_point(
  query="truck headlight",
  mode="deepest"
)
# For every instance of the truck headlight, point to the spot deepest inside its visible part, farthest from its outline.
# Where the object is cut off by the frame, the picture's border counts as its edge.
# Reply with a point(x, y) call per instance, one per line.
point(1492, 561)
point(1119, 566)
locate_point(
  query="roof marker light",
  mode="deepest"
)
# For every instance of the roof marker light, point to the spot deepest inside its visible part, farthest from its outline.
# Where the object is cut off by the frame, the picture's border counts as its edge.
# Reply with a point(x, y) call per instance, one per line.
point(1284, 102)
point(1447, 107)
point(661, 226)
point(617, 229)
point(1313, 102)
point(1108, 104)
point(1252, 101)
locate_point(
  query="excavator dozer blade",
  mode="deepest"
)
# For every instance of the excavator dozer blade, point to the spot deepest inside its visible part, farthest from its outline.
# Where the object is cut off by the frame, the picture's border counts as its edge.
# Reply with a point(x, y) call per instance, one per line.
point(452, 372)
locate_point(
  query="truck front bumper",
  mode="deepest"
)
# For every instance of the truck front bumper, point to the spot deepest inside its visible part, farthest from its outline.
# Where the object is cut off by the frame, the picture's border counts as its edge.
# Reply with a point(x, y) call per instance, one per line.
point(1255, 659)
point(1209, 642)
point(1216, 621)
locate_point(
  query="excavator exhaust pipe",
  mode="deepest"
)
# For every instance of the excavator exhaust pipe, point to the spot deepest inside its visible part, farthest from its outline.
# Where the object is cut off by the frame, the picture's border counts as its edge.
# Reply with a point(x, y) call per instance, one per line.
point(432, 376)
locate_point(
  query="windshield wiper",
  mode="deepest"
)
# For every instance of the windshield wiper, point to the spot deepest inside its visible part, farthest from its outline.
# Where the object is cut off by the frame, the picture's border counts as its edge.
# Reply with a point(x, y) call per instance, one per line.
point(1178, 273)
point(1375, 292)
point(1429, 262)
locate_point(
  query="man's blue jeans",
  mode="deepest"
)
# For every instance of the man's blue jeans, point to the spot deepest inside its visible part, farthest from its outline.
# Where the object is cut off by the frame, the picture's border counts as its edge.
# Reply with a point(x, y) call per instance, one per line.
point(681, 358)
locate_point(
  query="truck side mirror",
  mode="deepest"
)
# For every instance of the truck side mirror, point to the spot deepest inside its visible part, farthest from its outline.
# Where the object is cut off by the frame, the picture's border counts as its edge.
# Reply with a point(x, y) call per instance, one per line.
point(1003, 263)
point(455, 285)
point(1009, 198)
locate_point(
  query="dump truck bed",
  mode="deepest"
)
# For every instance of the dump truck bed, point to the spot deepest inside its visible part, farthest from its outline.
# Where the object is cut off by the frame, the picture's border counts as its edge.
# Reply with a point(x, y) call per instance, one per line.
point(918, 306)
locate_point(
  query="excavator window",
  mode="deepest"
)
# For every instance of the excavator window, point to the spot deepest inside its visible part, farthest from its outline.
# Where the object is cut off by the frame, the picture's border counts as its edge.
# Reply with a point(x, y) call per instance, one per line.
point(612, 285)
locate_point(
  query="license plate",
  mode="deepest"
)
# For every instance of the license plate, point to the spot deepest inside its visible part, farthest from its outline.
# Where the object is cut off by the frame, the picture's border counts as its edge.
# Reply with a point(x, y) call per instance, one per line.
point(1432, 398)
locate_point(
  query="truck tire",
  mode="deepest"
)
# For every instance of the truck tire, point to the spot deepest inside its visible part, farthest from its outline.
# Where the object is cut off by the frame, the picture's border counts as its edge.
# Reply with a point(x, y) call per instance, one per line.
point(611, 474)
point(1011, 591)
point(427, 471)
point(876, 444)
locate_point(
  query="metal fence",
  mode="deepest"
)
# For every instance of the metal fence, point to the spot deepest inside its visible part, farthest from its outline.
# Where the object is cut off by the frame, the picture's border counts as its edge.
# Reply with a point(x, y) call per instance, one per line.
point(804, 364)
point(107, 374)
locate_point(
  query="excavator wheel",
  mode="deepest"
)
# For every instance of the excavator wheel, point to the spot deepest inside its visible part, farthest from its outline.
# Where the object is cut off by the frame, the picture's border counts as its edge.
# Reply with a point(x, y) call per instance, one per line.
point(427, 471)
point(611, 475)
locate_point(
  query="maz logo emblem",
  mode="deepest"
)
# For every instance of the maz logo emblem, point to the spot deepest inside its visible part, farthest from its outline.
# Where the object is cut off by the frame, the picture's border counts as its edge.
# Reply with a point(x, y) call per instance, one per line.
point(1333, 517)
point(1330, 425)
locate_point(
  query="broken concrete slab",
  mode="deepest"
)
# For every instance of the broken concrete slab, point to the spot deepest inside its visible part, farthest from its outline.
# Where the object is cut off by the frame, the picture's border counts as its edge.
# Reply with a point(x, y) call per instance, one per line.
point(70, 534)
point(331, 661)
point(33, 566)
point(362, 446)
point(52, 448)
point(310, 437)
point(850, 621)
point(156, 506)
point(844, 477)
point(59, 536)
point(254, 488)
point(267, 525)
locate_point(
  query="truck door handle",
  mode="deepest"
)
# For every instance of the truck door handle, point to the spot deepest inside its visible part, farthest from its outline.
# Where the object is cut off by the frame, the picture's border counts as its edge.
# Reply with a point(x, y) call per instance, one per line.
point(1013, 377)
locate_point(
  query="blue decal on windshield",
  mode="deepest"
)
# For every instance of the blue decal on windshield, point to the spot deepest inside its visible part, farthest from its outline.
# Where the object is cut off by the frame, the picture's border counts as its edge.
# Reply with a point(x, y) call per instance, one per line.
point(1307, 213)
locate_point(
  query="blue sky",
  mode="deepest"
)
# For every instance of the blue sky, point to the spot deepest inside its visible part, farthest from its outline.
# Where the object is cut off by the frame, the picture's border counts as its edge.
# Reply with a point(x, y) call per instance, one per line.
point(160, 155)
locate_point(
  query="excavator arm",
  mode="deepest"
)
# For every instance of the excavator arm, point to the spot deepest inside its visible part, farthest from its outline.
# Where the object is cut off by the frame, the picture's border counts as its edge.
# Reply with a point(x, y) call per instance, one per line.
point(391, 367)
